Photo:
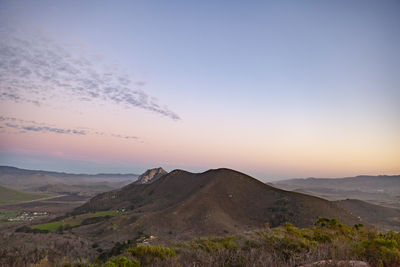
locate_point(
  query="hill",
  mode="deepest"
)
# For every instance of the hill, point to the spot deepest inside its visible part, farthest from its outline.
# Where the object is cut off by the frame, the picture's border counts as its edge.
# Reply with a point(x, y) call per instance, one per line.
point(8, 195)
point(214, 202)
point(382, 217)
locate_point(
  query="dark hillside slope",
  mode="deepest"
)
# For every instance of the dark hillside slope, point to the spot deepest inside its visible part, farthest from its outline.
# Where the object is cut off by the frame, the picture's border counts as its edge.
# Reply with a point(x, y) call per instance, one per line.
point(212, 202)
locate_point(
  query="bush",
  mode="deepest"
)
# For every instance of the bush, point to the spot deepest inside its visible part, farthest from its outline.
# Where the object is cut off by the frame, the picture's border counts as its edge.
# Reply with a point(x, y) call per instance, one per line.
point(379, 250)
point(213, 244)
point(92, 220)
point(122, 262)
point(148, 254)
point(28, 229)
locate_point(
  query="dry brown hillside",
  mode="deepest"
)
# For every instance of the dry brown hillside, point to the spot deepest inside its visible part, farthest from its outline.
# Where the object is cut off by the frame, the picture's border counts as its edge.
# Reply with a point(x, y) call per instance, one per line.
point(214, 202)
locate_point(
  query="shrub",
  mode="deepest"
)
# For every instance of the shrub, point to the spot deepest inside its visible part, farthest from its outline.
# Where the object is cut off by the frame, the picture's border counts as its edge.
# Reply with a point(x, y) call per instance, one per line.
point(148, 254)
point(358, 226)
point(213, 244)
point(378, 250)
point(28, 229)
point(122, 262)
point(92, 220)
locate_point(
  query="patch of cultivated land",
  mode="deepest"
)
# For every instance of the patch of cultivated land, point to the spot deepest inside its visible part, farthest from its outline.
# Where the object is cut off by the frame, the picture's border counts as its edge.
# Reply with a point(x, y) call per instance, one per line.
point(8, 195)
point(69, 198)
point(74, 221)
point(6, 214)
point(53, 210)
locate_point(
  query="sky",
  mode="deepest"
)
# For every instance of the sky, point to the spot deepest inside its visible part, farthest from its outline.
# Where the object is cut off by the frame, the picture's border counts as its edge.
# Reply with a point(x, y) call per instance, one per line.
point(275, 89)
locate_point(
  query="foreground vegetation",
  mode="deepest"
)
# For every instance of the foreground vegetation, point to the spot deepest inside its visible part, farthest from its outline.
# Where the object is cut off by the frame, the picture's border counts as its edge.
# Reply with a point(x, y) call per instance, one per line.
point(282, 246)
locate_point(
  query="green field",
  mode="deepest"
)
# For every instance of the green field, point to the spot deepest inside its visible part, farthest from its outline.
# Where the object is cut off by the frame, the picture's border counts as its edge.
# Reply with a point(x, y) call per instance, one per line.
point(49, 226)
point(73, 221)
point(6, 214)
point(8, 195)
point(101, 214)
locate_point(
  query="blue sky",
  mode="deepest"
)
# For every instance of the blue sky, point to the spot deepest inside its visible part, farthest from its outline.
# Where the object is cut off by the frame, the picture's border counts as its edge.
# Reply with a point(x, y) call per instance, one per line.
point(307, 88)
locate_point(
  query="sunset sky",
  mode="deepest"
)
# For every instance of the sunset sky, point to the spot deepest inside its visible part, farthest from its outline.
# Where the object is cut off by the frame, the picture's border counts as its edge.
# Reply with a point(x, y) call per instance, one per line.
point(275, 89)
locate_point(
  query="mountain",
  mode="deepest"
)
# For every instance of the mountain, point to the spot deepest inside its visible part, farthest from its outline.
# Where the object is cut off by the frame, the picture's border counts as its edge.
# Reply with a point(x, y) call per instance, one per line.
point(380, 183)
point(213, 202)
point(59, 182)
point(150, 176)
point(17, 171)
point(8, 195)
point(382, 189)
point(382, 217)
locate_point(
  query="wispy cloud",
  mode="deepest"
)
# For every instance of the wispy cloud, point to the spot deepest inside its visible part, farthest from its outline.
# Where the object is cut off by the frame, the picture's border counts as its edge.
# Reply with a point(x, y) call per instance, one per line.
point(35, 69)
point(43, 129)
point(23, 126)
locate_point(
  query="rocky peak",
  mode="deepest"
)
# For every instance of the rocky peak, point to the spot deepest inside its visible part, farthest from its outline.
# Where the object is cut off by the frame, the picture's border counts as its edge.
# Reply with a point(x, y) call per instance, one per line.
point(151, 175)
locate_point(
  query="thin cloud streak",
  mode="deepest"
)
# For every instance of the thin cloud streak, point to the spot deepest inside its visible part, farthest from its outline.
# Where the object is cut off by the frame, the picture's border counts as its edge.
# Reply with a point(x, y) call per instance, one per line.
point(24, 126)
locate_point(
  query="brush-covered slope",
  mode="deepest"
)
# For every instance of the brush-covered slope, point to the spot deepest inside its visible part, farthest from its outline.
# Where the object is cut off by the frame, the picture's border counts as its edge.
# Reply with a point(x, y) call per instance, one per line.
point(382, 217)
point(212, 202)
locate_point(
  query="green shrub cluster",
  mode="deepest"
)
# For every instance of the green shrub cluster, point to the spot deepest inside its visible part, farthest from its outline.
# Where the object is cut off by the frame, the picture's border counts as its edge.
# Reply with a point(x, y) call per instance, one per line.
point(213, 244)
point(122, 262)
point(147, 254)
point(117, 249)
point(28, 229)
point(380, 249)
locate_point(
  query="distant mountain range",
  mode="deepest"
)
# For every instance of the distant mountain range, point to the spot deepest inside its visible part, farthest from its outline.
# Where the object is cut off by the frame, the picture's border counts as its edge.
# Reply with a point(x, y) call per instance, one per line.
point(59, 182)
point(14, 170)
point(382, 189)
point(374, 184)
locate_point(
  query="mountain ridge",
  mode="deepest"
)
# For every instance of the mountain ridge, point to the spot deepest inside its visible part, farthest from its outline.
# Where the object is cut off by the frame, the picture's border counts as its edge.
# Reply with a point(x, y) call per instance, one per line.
point(53, 182)
point(381, 190)
point(11, 169)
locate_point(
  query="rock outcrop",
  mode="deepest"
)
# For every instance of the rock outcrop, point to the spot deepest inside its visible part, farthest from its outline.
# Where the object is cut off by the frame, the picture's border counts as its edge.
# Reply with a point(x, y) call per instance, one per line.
point(150, 176)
